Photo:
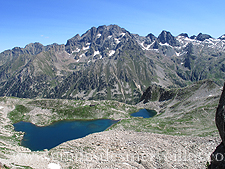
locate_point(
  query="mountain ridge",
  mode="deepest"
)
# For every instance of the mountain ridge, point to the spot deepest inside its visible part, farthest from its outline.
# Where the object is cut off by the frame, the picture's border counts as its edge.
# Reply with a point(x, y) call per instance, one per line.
point(109, 62)
point(198, 37)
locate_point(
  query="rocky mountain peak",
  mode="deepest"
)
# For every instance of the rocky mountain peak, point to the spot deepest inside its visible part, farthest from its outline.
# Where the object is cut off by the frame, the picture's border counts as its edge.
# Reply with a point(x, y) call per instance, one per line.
point(110, 30)
point(222, 37)
point(202, 37)
point(184, 35)
point(167, 37)
point(72, 42)
point(55, 47)
point(115, 28)
point(98, 41)
point(34, 48)
point(33, 45)
point(151, 37)
point(193, 37)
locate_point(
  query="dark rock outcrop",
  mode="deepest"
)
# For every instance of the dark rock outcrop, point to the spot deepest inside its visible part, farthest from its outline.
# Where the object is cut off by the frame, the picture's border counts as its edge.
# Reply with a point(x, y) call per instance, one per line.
point(220, 113)
point(218, 156)
point(156, 93)
point(184, 35)
point(222, 37)
point(202, 37)
point(193, 37)
point(151, 37)
point(167, 37)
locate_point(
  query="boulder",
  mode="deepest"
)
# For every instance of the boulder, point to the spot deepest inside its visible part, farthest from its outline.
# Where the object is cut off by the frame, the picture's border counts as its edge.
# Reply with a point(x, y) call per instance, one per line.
point(218, 156)
point(220, 114)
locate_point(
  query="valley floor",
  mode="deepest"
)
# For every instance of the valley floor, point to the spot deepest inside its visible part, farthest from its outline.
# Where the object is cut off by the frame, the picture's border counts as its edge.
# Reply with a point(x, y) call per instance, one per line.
point(115, 148)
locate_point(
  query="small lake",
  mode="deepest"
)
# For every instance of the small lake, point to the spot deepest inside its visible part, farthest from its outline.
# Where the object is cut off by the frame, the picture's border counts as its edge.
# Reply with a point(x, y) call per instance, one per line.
point(145, 113)
point(40, 138)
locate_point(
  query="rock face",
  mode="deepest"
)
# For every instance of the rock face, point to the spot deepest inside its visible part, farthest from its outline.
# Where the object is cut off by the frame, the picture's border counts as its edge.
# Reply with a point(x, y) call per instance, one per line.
point(167, 37)
point(220, 113)
point(222, 37)
point(184, 35)
point(202, 37)
point(157, 93)
point(218, 156)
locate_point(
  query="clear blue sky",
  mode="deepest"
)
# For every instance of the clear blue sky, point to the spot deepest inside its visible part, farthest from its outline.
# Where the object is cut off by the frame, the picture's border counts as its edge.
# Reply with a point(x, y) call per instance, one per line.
point(55, 21)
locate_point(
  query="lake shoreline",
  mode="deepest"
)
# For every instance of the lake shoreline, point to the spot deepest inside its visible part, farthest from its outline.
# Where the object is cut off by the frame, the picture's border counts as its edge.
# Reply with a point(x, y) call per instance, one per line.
point(25, 127)
point(39, 138)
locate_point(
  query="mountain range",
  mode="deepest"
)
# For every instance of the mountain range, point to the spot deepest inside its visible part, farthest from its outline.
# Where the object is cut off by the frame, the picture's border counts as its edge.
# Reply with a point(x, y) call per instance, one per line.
point(111, 63)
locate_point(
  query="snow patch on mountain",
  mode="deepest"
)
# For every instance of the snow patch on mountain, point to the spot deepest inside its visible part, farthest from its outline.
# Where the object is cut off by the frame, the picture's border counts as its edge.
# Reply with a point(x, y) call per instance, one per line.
point(82, 55)
point(185, 40)
point(96, 53)
point(164, 44)
point(111, 52)
point(178, 53)
point(146, 47)
point(99, 35)
point(86, 48)
point(77, 50)
point(223, 36)
point(117, 41)
point(122, 34)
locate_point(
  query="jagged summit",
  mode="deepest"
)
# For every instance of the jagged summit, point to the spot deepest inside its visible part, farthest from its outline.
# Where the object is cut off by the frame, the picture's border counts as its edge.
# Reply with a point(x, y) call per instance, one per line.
point(193, 37)
point(151, 37)
point(202, 37)
point(96, 36)
point(167, 37)
point(34, 48)
point(222, 37)
point(184, 35)
point(99, 34)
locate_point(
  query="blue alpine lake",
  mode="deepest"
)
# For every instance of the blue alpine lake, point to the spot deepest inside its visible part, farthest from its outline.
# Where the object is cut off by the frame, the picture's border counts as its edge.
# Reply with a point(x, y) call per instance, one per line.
point(145, 113)
point(40, 138)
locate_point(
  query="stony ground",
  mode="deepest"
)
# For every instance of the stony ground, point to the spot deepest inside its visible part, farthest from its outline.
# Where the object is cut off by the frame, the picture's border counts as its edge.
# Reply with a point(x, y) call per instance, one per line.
point(115, 148)
point(127, 149)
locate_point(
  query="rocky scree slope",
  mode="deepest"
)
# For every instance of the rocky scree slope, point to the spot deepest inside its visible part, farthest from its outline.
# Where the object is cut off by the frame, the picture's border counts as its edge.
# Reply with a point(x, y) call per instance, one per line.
point(182, 111)
point(109, 62)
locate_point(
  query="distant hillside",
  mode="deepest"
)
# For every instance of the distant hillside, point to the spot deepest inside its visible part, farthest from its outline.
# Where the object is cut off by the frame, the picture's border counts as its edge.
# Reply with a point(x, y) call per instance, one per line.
point(186, 111)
